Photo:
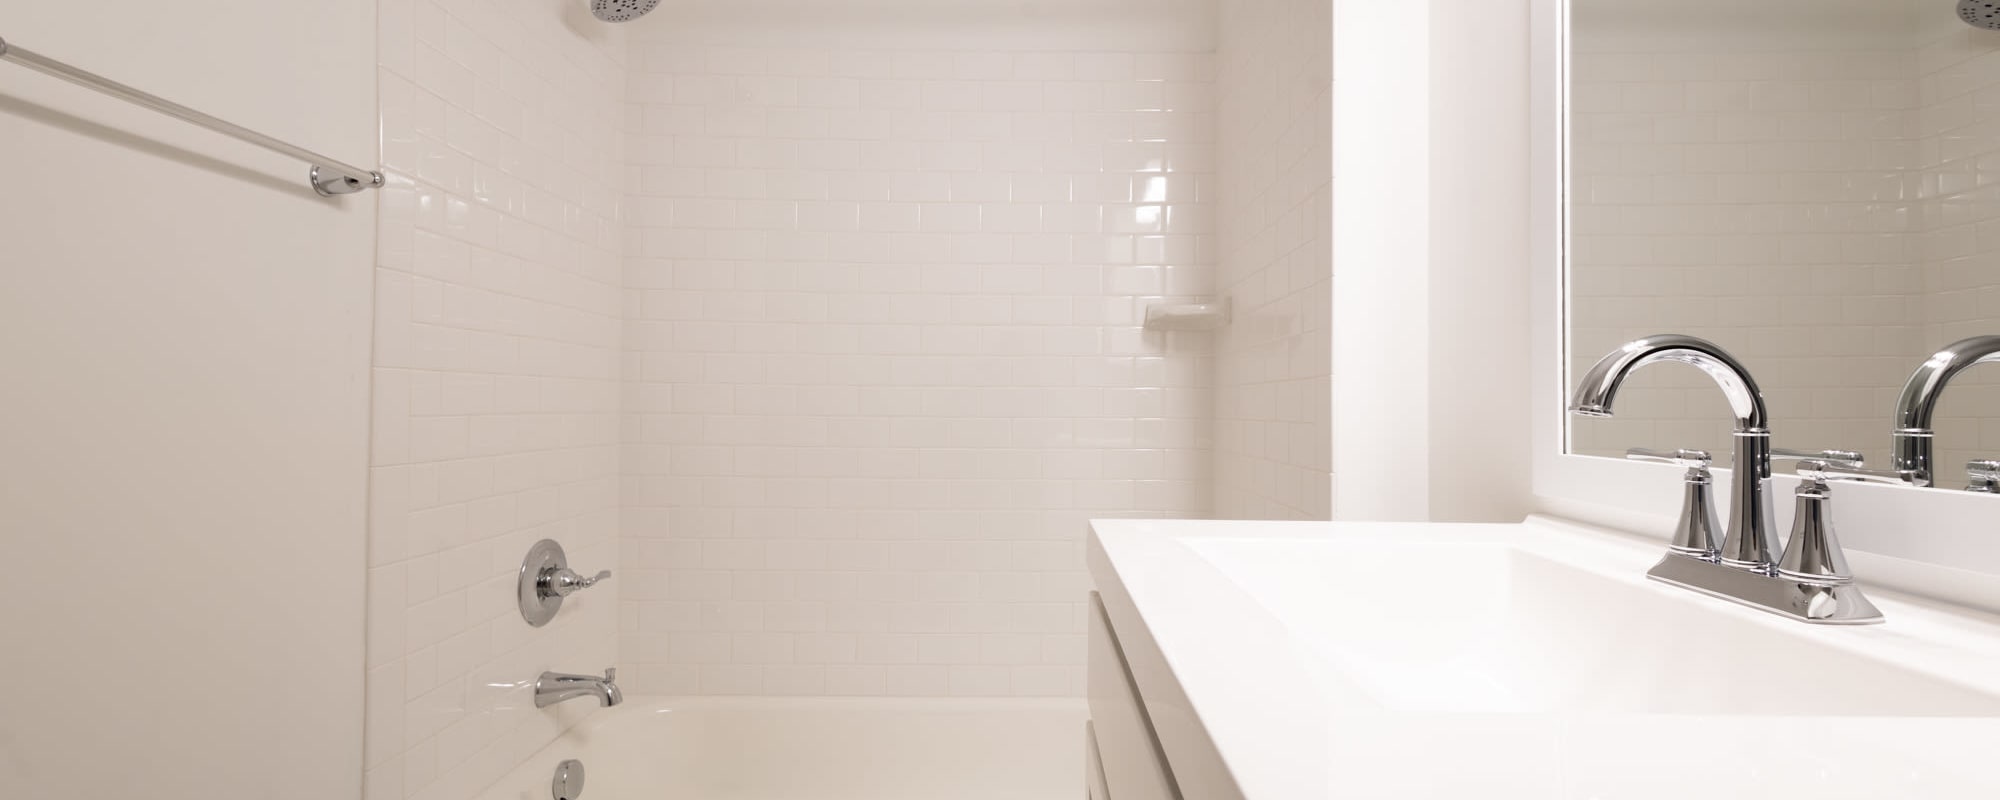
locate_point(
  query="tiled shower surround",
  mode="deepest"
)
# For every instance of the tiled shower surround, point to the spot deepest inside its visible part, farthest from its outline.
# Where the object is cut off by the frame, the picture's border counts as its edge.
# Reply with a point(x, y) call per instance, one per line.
point(832, 380)
point(883, 347)
point(495, 382)
point(1274, 364)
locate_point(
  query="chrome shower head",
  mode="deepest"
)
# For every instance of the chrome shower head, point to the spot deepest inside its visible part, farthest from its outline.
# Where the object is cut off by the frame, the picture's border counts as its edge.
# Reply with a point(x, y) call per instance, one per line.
point(1980, 14)
point(621, 10)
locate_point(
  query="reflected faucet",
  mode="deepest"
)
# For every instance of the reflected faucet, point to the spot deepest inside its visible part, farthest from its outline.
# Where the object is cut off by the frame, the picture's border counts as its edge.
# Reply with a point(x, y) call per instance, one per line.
point(1912, 443)
point(1747, 540)
point(555, 687)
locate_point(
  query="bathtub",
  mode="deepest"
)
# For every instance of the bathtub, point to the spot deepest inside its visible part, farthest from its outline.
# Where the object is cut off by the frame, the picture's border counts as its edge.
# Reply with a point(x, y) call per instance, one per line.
point(817, 749)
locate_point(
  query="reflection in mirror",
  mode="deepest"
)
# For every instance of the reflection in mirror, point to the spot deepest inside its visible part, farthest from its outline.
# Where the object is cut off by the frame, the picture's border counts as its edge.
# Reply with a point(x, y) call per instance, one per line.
point(1814, 185)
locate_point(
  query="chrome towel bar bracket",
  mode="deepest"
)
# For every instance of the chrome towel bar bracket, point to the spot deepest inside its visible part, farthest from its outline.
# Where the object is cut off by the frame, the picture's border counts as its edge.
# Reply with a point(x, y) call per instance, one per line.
point(329, 177)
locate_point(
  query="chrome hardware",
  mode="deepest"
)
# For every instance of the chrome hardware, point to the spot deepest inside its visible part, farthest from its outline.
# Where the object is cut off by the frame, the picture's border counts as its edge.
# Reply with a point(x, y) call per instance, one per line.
point(568, 783)
point(1817, 602)
point(328, 176)
point(555, 687)
point(565, 582)
point(1748, 542)
point(1813, 553)
point(1848, 457)
point(1985, 476)
point(1697, 532)
point(1912, 442)
point(334, 184)
point(1692, 459)
point(546, 579)
point(1814, 470)
point(1811, 581)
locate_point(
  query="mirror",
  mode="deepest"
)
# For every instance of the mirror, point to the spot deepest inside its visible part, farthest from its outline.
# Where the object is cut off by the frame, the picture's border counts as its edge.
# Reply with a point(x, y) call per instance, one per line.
point(1812, 184)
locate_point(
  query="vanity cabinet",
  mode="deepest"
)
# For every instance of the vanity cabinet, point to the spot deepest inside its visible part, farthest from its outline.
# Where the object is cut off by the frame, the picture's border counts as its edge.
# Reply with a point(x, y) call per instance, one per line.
point(1093, 766)
point(1124, 752)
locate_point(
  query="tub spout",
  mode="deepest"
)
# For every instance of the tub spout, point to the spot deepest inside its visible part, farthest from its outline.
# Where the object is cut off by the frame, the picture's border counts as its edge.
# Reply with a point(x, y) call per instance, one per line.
point(555, 687)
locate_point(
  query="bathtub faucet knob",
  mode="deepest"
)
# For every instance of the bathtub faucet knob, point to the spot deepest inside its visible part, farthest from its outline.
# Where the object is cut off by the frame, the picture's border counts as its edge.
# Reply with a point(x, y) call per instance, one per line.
point(546, 579)
point(565, 581)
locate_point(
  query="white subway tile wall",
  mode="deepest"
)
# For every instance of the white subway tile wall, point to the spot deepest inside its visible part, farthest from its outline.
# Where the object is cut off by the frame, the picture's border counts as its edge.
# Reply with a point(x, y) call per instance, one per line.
point(1273, 426)
point(1756, 184)
point(496, 379)
point(1958, 84)
point(884, 353)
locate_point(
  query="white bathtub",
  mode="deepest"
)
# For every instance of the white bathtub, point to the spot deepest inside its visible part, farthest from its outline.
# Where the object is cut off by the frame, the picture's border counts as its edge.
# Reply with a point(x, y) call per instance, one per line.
point(818, 749)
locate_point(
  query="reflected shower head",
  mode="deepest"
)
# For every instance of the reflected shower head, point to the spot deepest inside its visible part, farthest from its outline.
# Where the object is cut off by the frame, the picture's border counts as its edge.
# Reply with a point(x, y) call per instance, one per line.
point(621, 10)
point(1980, 14)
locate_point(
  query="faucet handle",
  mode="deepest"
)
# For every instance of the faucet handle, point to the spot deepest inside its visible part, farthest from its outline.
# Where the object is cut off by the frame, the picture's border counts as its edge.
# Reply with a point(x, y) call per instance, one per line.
point(1698, 534)
point(1985, 475)
point(1821, 471)
point(1845, 458)
point(1692, 459)
point(564, 581)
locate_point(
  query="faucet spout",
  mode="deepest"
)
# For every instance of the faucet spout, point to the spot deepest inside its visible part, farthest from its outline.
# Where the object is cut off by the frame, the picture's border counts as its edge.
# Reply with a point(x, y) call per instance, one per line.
point(555, 687)
point(1912, 442)
point(1599, 387)
point(1748, 542)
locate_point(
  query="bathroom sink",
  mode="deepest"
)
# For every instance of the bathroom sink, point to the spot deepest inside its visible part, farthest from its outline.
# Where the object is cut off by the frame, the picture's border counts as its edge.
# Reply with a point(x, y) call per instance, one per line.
point(1532, 660)
point(1473, 627)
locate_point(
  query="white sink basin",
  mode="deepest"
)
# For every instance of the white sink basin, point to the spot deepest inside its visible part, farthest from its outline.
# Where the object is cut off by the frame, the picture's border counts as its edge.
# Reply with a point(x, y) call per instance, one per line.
point(1536, 661)
point(1474, 627)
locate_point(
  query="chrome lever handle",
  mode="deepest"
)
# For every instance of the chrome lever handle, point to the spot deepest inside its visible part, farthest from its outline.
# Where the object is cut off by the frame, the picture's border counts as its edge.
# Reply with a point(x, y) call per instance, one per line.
point(1845, 458)
point(564, 582)
point(1822, 470)
point(1699, 533)
point(1984, 474)
point(1692, 459)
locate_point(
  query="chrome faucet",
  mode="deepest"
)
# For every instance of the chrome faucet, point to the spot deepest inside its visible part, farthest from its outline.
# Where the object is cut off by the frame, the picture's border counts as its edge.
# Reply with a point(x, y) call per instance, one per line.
point(1811, 582)
point(1912, 443)
point(1746, 541)
point(555, 687)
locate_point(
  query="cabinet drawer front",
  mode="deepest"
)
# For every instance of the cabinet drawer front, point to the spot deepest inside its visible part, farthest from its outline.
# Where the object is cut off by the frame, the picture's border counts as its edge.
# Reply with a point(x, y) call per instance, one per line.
point(1133, 766)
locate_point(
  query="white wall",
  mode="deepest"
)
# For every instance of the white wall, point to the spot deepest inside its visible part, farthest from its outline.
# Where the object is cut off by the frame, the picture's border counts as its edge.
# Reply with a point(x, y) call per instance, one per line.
point(886, 272)
point(184, 334)
point(496, 379)
point(1480, 263)
point(1273, 425)
point(1430, 260)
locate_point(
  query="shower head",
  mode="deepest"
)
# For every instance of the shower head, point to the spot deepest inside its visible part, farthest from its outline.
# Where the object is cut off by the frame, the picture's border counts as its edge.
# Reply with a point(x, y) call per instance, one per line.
point(1980, 14)
point(621, 10)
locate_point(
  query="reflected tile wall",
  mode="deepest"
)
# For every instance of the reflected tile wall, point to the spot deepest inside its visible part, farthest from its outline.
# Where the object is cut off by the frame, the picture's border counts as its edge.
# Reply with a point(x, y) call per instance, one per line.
point(1959, 86)
point(1819, 198)
point(884, 351)
point(1763, 195)
point(495, 381)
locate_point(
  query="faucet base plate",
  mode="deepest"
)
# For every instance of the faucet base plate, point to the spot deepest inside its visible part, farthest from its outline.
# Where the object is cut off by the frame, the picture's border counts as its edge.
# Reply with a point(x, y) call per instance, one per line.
point(1817, 603)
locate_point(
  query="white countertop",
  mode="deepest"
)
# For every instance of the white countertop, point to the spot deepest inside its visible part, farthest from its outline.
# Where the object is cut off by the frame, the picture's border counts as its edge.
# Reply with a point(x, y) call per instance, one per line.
point(1913, 711)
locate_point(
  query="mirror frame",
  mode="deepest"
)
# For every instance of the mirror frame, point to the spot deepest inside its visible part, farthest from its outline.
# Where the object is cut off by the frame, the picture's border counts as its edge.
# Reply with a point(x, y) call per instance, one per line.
point(1926, 541)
